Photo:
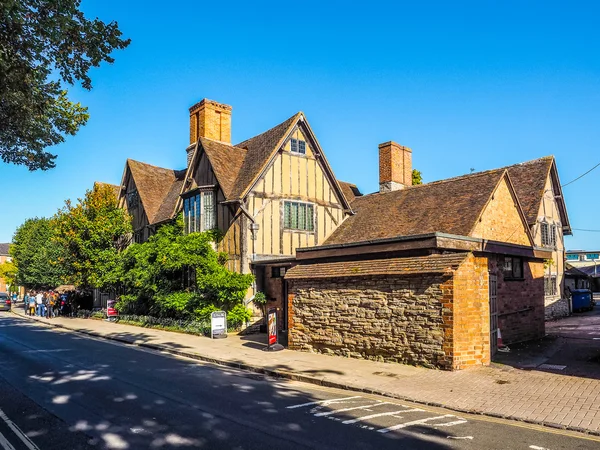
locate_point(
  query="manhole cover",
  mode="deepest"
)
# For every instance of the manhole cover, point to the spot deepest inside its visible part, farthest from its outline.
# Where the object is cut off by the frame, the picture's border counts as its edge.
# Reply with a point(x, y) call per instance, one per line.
point(551, 367)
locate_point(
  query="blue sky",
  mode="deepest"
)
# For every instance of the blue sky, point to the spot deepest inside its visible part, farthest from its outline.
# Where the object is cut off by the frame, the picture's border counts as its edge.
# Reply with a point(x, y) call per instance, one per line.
point(466, 85)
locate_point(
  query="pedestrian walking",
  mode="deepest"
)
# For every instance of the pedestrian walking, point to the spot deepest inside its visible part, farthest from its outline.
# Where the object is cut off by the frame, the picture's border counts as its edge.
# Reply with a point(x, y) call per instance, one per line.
point(26, 303)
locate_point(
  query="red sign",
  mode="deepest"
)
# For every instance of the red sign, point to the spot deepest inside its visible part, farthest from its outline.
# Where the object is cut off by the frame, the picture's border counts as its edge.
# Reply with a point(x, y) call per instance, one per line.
point(272, 326)
point(110, 309)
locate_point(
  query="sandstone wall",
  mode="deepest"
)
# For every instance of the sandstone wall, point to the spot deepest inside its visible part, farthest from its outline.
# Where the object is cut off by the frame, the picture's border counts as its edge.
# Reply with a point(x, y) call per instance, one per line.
point(394, 318)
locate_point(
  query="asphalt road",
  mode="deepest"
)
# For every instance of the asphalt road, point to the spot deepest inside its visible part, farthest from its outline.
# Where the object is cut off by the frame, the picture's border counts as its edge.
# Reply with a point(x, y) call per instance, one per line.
point(62, 390)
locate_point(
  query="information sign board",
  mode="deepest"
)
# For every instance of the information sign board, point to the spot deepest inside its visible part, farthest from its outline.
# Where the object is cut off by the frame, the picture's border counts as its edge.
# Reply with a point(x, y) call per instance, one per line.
point(218, 325)
point(272, 326)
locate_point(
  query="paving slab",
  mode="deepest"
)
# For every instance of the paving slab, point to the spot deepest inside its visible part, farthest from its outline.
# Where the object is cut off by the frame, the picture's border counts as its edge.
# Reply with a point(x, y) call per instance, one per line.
point(541, 397)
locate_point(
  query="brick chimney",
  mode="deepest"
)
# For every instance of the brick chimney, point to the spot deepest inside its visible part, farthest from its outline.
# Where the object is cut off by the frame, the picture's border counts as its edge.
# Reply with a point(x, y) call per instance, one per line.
point(211, 120)
point(395, 167)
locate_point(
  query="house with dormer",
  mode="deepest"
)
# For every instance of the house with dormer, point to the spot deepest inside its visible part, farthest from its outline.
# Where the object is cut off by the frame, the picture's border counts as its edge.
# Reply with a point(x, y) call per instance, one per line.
point(427, 274)
point(268, 195)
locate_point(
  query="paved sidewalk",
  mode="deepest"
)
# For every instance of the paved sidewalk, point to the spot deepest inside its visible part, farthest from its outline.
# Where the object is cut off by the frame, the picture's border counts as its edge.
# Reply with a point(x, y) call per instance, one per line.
point(500, 391)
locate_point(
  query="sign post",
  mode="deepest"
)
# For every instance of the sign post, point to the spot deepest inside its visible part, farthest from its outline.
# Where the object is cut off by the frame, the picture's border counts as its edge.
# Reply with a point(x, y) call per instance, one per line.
point(218, 325)
point(272, 336)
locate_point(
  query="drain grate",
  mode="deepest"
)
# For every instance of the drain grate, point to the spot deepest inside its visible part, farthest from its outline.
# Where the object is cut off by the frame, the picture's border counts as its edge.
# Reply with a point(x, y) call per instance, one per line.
point(551, 367)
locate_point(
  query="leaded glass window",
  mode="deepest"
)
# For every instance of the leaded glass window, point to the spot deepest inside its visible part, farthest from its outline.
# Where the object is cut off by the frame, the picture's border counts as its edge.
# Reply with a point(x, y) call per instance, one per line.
point(298, 216)
point(199, 212)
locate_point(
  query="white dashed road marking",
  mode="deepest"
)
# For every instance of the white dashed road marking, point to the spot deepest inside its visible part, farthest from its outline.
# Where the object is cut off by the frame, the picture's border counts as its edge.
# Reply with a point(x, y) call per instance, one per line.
point(535, 447)
point(449, 424)
point(22, 436)
point(323, 402)
point(316, 409)
point(414, 422)
point(5, 444)
point(325, 414)
point(372, 416)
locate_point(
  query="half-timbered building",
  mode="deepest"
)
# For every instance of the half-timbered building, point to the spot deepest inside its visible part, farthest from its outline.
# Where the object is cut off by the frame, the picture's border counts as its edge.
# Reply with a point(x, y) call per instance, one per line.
point(268, 195)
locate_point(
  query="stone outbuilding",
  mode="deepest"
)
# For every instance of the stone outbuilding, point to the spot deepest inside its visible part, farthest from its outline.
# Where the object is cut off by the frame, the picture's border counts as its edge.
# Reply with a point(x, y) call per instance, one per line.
point(424, 275)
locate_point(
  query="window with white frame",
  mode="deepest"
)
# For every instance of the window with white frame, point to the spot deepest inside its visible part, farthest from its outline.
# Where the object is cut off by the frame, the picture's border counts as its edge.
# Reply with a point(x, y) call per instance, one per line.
point(548, 232)
point(550, 285)
point(591, 256)
point(298, 146)
point(199, 212)
point(572, 257)
point(299, 216)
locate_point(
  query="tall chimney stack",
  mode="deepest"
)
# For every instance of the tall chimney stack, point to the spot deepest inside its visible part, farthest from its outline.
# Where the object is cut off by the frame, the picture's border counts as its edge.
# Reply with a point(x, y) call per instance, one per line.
point(395, 167)
point(210, 120)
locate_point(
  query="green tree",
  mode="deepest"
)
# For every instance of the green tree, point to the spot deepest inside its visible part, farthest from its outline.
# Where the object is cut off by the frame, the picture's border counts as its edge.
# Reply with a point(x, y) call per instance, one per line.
point(8, 272)
point(45, 45)
point(36, 256)
point(416, 177)
point(177, 275)
point(91, 234)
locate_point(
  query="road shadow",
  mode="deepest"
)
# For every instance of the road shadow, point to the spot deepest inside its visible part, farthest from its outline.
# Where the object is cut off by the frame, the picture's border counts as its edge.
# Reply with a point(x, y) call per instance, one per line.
point(124, 398)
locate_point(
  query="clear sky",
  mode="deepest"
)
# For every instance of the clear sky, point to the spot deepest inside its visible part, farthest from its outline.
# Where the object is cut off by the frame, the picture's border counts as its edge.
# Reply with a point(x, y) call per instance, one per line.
point(465, 84)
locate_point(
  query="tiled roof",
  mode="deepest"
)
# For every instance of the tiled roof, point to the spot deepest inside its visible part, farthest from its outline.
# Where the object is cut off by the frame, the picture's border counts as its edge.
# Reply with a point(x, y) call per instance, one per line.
point(389, 266)
point(165, 211)
point(4, 249)
point(529, 180)
point(350, 190)
point(154, 185)
point(116, 189)
point(259, 150)
point(226, 161)
point(449, 206)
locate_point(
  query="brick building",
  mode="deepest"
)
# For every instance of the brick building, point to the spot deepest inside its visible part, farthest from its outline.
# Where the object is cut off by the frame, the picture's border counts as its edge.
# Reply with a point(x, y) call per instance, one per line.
point(470, 253)
point(422, 274)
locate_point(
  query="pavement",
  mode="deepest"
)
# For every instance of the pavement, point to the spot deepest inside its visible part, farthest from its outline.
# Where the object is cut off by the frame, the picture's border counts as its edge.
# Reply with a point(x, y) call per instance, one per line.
point(517, 388)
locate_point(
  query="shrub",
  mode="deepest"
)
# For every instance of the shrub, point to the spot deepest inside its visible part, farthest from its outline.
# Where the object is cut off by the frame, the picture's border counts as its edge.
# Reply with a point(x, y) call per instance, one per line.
point(238, 315)
point(260, 299)
point(203, 314)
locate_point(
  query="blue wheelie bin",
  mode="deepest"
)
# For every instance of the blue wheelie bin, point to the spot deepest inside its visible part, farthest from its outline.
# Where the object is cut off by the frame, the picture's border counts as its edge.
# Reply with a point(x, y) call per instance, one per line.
point(582, 299)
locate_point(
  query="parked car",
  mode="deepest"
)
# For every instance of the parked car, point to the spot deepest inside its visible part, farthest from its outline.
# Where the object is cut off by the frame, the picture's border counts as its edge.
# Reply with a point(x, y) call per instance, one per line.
point(5, 302)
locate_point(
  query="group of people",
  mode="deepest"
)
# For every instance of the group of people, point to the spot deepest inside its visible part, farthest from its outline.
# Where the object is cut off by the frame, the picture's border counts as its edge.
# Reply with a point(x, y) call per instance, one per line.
point(41, 303)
